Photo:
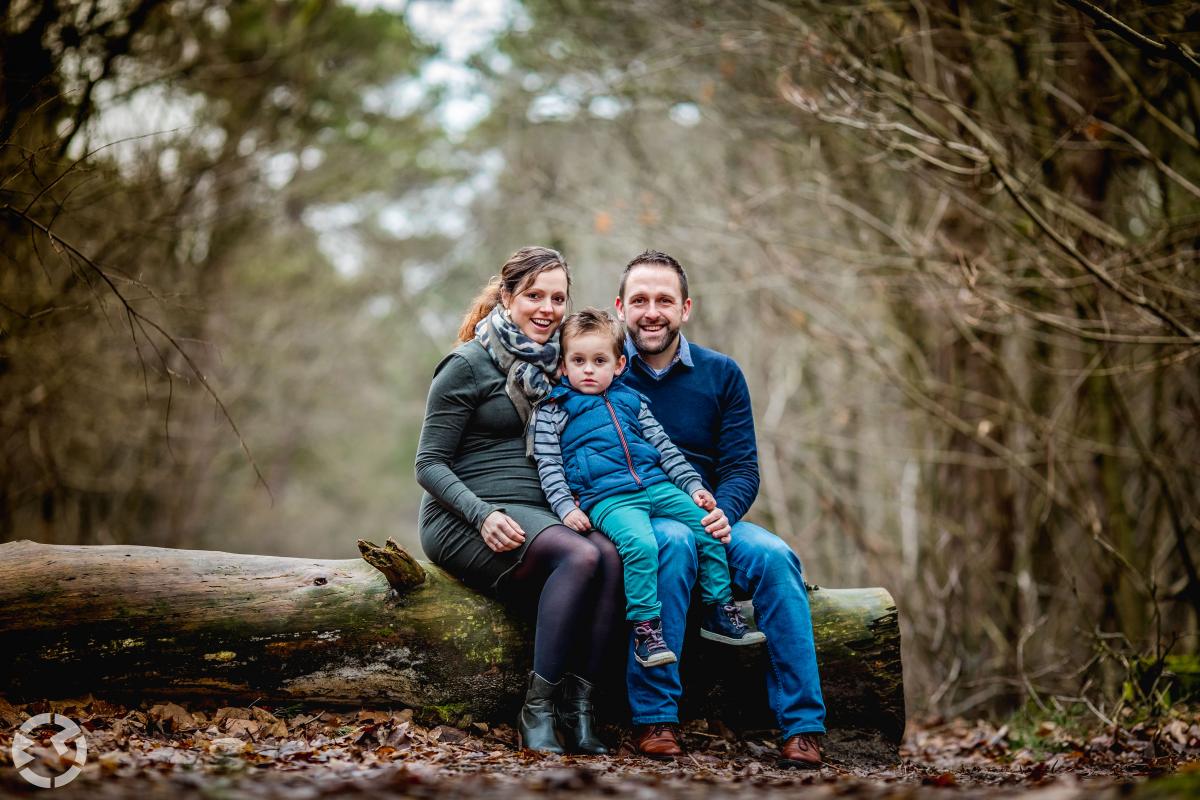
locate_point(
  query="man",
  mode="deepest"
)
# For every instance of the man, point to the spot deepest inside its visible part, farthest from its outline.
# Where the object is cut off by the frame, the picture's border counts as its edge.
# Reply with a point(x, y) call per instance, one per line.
point(711, 422)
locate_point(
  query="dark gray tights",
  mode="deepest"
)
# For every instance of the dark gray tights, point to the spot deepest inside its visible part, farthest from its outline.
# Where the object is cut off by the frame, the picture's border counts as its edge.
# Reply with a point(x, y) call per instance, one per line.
point(576, 582)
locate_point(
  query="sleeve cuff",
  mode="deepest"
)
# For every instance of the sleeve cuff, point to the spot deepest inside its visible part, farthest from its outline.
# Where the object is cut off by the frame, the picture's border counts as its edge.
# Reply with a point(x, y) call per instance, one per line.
point(484, 513)
point(564, 508)
point(731, 513)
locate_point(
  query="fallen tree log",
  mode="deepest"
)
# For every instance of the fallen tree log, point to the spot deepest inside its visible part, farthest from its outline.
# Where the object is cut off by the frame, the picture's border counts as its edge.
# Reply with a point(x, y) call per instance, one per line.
point(385, 630)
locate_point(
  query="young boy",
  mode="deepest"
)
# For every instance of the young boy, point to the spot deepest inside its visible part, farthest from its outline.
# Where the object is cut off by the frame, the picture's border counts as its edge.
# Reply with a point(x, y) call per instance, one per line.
point(596, 440)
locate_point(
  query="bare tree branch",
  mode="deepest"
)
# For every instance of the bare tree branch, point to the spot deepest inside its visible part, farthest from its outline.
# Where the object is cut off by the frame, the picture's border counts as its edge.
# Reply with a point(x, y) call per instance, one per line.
point(1177, 53)
point(133, 316)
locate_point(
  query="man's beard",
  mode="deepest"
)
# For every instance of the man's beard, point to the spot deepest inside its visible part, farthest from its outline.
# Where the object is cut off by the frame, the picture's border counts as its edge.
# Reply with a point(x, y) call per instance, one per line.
point(668, 339)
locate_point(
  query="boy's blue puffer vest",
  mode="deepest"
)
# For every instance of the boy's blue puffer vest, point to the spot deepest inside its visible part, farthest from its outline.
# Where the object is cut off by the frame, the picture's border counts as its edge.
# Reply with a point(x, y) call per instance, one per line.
point(599, 461)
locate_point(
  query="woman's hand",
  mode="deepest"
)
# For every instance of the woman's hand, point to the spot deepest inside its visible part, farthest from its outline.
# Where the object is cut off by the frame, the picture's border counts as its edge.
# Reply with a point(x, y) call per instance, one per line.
point(501, 532)
point(578, 521)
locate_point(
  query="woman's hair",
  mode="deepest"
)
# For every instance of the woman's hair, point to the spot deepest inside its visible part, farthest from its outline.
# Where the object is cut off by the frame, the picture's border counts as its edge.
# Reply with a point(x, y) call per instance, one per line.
point(593, 320)
point(521, 269)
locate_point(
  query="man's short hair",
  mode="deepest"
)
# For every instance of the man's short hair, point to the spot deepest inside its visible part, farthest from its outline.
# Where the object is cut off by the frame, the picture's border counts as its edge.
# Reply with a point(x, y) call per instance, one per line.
point(654, 258)
point(593, 320)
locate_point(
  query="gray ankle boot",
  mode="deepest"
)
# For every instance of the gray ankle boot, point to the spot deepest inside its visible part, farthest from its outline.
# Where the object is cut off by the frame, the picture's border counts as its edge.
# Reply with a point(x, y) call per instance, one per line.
point(535, 723)
point(576, 718)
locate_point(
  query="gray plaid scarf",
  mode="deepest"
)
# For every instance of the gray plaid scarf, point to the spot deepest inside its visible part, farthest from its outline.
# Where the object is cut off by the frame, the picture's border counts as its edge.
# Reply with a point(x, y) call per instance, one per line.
point(530, 366)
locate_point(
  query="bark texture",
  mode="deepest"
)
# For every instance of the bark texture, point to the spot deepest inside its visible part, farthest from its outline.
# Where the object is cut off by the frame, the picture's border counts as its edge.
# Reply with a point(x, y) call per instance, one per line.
point(384, 630)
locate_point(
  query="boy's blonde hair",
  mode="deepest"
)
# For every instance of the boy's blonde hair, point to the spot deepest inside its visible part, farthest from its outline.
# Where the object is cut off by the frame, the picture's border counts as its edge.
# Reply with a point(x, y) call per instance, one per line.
point(593, 320)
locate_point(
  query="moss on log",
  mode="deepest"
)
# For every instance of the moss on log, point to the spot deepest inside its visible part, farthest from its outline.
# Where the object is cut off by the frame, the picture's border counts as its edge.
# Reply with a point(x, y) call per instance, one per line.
point(384, 630)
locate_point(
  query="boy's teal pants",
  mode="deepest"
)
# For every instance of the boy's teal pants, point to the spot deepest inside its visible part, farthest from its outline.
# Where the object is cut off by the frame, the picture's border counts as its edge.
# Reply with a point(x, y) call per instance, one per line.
point(625, 520)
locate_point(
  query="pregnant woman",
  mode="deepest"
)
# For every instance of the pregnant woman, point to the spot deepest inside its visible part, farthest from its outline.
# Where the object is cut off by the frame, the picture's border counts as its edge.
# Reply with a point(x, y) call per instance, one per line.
point(484, 518)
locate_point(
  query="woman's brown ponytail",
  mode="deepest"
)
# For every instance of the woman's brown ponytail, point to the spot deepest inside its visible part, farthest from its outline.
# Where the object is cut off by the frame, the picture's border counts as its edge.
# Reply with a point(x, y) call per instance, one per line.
point(480, 307)
point(521, 269)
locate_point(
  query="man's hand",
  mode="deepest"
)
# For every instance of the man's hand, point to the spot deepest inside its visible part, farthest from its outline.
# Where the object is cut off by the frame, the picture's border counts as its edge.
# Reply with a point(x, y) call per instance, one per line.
point(704, 499)
point(717, 525)
point(501, 532)
point(578, 521)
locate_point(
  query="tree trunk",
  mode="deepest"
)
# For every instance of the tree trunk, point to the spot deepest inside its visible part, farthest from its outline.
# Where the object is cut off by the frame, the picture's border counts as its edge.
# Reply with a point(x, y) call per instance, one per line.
point(386, 630)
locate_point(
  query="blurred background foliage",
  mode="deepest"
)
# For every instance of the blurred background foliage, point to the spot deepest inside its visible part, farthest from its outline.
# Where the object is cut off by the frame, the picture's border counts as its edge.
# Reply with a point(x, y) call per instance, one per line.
point(952, 245)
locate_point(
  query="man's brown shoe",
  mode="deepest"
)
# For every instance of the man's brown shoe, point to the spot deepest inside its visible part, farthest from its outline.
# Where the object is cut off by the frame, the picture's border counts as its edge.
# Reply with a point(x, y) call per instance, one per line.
point(800, 752)
point(659, 741)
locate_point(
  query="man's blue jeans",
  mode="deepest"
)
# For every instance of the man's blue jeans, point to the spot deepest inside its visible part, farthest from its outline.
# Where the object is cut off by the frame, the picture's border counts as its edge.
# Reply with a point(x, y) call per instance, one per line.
point(765, 568)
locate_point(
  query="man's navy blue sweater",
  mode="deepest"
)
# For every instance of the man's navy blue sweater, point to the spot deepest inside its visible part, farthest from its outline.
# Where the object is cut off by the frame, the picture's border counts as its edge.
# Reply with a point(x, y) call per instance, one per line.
point(705, 409)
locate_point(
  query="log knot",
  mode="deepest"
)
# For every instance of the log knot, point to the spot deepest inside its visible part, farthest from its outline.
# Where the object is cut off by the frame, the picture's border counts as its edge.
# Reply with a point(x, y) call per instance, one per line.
point(401, 570)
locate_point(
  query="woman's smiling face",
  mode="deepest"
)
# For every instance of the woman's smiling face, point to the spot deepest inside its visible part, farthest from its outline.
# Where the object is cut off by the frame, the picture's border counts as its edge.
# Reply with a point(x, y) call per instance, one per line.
point(537, 308)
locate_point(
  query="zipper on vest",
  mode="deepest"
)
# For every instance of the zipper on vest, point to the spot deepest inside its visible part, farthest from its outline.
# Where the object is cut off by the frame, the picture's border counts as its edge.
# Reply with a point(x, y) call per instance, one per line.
point(621, 436)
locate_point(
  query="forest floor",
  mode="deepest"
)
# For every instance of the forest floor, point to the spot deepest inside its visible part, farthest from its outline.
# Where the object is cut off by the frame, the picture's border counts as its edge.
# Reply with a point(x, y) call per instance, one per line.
point(167, 750)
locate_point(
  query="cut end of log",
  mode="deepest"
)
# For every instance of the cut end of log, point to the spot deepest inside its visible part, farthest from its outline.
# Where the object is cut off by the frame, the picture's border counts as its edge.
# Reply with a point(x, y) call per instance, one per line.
point(402, 571)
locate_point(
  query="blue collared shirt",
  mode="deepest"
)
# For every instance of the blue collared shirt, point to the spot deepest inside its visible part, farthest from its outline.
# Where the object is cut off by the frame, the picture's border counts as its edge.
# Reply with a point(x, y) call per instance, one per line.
point(682, 355)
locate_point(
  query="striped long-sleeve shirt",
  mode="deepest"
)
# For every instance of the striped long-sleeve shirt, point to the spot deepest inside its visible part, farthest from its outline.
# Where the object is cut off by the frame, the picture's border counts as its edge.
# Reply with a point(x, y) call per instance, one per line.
point(551, 420)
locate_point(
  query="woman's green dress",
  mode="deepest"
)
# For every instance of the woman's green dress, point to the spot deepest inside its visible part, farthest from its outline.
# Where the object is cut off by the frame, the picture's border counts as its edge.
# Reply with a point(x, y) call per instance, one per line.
point(471, 461)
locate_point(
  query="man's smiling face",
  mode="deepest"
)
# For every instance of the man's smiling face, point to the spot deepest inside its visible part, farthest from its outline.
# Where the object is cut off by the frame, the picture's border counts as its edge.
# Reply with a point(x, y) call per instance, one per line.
point(653, 307)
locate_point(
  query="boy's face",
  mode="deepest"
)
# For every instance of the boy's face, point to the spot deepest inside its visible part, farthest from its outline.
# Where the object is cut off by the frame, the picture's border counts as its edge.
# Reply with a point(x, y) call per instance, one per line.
point(590, 363)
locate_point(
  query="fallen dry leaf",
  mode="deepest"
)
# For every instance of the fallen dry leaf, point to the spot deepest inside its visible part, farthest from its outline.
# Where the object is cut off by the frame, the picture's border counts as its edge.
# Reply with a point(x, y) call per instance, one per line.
point(241, 727)
point(228, 745)
point(172, 718)
point(231, 712)
point(9, 716)
point(270, 725)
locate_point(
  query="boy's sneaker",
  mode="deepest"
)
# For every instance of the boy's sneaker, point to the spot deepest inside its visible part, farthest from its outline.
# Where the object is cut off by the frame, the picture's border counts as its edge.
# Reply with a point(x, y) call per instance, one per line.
point(648, 646)
point(723, 623)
